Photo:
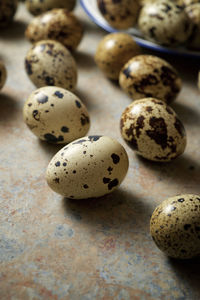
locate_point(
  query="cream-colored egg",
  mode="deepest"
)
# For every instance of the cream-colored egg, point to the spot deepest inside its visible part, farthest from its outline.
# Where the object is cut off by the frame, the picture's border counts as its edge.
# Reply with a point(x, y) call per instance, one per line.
point(119, 14)
point(37, 7)
point(193, 12)
point(56, 24)
point(153, 130)
point(150, 76)
point(89, 167)
point(56, 115)
point(48, 62)
point(175, 226)
point(3, 74)
point(113, 51)
point(7, 11)
point(164, 22)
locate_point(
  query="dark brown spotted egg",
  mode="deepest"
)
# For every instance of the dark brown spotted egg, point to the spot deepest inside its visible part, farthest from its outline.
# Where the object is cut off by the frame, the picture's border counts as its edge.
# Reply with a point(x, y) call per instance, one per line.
point(120, 14)
point(150, 76)
point(175, 226)
point(56, 24)
point(89, 167)
point(37, 7)
point(153, 130)
point(113, 51)
point(8, 9)
point(56, 115)
point(164, 22)
point(48, 62)
point(193, 12)
point(3, 74)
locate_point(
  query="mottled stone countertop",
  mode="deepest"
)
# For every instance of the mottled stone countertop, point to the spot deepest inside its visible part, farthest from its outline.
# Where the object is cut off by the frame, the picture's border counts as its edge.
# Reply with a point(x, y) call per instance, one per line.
point(54, 248)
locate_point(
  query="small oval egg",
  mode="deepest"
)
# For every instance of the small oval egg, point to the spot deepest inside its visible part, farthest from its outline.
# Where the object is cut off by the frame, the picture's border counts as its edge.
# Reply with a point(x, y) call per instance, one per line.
point(56, 24)
point(8, 9)
point(193, 12)
point(164, 22)
point(175, 226)
point(56, 115)
point(153, 130)
point(150, 76)
point(89, 167)
point(48, 62)
point(113, 51)
point(3, 74)
point(36, 7)
point(119, 14)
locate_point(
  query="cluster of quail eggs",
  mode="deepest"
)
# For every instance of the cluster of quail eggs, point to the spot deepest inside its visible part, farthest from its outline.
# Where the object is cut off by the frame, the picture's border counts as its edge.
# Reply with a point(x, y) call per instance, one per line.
point(92, 166)
point(166, 22)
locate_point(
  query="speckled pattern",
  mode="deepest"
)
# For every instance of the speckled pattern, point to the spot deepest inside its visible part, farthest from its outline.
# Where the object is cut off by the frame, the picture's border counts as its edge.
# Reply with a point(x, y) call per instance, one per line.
point(59, 249)
point(175, 226)
point(153, 130)
point(7, 11)
point(193, 12)
point(57, 24)
point(48, 62)
point(164, 22)
point(89, 167)
point(37, 7)
point(113, 51)
point(150, 76)
point(120, 14)
point(56, 115)
point(3, 74)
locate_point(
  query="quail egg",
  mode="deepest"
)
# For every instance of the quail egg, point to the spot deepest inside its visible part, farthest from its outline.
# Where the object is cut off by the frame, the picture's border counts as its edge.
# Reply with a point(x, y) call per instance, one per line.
point(56, 24)
point(37, 7)
point(175, 226)
point(189, 2)
point(3, 74)
point(113, 51)
point(119, 14)
point(153, 130)
point(150, 76)
point(164, 22)
point(56, 115)
point(48, 62)
point(193, 12)
point(7, 11)
point(89, 167)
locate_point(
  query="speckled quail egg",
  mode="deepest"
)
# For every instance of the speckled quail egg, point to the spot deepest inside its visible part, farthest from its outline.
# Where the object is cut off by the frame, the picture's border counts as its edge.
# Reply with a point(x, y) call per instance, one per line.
point(193, 12)
point(7, 11)
point(164, 22)
point(56, 115)
point(175, 226)
point(150, 76)
point(189, 2)
point(48, 62)
point(152, 129)
point(56, 24)
point(113, 51)
point(119, 14)
point(3, 74)
point(89, 167)
point(37, 7)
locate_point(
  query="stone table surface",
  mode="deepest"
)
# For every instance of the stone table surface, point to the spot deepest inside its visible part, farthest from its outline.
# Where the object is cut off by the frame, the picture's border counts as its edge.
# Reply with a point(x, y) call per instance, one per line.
point(55, 248)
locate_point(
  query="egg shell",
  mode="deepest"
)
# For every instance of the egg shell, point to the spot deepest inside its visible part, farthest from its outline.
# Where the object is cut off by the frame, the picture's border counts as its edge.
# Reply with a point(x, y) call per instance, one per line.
point(48, 62)
point(175, 226)
point(164, 22)
point(150, 76)
point(89, 167)
point(8, 9)
point(119, 14)
point(56, 115)
point(37, 7)
point(153, 130)
point(189, 2)
point(56, 24)
point(3, 74)
point(193, 12)
point(113, 51)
